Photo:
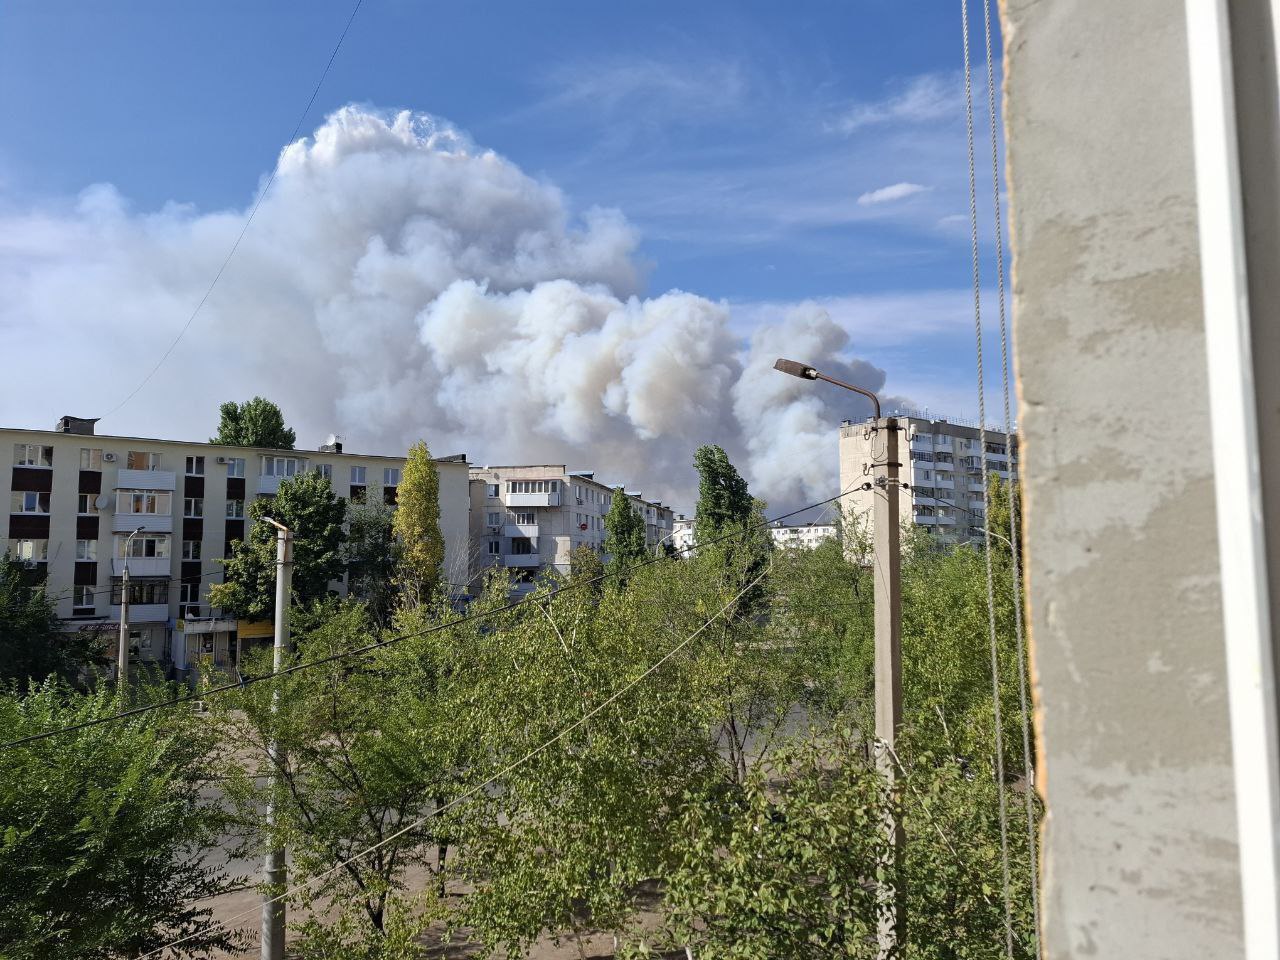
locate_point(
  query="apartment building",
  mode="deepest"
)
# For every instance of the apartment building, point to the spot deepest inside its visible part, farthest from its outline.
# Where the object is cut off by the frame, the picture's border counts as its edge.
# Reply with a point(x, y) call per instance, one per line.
point(941, 473)
point(530, 518)
point(802, 536)
point(75, 498)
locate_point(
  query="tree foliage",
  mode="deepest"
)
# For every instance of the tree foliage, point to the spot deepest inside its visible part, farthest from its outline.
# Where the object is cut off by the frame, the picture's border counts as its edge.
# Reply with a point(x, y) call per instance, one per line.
point(624, 538)
point(306, 505)
point(254, 423)
point(101, 831)
point(417, 527)
point(33, 645)
point(723, 499)
point(372, 556)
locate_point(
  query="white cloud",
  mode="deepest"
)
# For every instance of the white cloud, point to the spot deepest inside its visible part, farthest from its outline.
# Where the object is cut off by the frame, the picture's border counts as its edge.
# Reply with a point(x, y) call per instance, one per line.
point(399, 282)
point(925, 98)
point(896, 191)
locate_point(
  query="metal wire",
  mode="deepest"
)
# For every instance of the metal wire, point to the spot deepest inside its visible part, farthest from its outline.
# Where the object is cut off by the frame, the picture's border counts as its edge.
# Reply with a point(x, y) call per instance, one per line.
point(1016, 560)
point(474, 791)
point(986, 489)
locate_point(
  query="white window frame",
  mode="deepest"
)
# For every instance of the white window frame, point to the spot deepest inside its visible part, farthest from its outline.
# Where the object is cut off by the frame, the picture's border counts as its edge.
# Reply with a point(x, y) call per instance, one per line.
point(86, 549)
point(492, 490)
point(82, 597)
point(493, 518)
point(391, 476)
point(19, 500)
point(235, 467)
point(37, 456)
point(195, 465)
point(235, 510)
point(358, 475)
point(282, 467)
point(325, 470)
point(187, 505)
point(152, 460)
point(526, 518)
point(90, 501)
point(158, 543)
point(161, 502)
point(90, 458)
point(192, 549)
point(36, 552)
point(495, 548)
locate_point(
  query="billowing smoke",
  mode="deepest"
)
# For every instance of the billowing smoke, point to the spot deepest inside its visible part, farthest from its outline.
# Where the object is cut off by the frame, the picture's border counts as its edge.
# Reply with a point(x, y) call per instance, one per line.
point(397, 282)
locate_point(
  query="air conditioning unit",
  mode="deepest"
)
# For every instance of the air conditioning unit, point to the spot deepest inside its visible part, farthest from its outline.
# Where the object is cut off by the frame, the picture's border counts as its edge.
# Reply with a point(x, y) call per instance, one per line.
point(109, 457)
point(220, 460)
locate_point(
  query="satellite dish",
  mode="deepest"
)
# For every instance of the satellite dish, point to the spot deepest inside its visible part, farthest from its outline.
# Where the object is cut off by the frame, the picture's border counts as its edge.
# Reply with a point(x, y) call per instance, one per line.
point(102, 502)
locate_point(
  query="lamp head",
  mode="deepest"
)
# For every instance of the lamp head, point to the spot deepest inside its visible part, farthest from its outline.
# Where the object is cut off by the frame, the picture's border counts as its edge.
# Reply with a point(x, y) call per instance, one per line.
point(796, 369)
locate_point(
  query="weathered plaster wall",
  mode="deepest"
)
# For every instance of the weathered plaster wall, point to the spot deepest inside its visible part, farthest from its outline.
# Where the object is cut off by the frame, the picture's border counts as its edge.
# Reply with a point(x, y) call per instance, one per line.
point(1140, 842)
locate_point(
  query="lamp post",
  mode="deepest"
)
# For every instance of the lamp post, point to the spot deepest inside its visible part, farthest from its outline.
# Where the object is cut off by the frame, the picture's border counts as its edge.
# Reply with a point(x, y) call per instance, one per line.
point(122, 648)
point(888, 650)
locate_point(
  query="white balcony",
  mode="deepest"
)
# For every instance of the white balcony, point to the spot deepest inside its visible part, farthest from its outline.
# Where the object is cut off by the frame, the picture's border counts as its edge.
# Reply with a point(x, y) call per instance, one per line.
point(143, 612)
point(521, 560)
point(192, 626)
point(941, 484)
point(531, 499)
point(925, 519)
point(142, 566)
point(946, 521)
point(529, 530)
point(145, 479)
point(269, 485)
point(129, 522)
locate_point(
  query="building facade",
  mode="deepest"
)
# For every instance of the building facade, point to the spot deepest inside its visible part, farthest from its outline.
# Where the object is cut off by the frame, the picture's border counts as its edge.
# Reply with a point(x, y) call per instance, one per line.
point(941, 474)
point(82, 506)
point(803, 536)
point(530, 518)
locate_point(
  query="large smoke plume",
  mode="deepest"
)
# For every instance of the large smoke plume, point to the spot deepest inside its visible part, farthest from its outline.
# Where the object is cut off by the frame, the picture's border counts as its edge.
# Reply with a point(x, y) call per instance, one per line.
point(397, 282)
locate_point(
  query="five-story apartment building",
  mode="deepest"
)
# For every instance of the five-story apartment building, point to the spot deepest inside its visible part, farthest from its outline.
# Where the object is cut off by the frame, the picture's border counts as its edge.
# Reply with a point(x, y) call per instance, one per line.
point(82, 506)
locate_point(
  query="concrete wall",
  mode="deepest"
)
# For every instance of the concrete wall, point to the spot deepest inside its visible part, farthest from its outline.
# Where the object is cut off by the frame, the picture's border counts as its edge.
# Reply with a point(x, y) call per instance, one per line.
point(1140, 841)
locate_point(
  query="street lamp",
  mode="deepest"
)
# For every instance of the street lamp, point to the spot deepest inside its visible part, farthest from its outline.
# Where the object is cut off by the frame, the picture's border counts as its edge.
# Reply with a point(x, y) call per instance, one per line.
point(122, 649)
point(888, 618)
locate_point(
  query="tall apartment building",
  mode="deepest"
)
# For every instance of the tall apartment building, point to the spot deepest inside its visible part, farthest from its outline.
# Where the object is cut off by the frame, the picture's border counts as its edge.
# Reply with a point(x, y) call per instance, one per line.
point(74, 499)
point(941, 473)
point(802, 536)
point(530, 518)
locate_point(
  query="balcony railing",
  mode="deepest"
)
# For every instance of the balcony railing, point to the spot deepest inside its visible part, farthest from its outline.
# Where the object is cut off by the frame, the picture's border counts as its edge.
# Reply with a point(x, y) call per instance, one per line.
point(129, 522)
point(521, 560)
point(127, 479)
point(143, 612)
point(531, 499)
point(529, 530)
point(142, 566)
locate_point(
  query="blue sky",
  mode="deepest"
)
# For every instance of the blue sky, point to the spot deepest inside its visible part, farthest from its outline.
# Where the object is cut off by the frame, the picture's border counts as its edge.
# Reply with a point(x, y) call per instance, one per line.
point(765, 154)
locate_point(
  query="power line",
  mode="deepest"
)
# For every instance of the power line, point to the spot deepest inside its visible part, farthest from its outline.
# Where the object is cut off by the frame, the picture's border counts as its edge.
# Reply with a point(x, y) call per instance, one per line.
point(986, 488)
point(248, 220)
point(476, 790)
point(1028, 771)
point(379, 644)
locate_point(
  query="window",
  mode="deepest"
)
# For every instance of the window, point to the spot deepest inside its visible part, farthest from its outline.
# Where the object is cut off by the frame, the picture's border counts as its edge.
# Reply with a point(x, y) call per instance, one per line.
point(526, 519)
point(144, 501)
point(521, 546)
point(235, 466)
point(493, 518)
point(357, 476)
point(82, 598)
point(29, 501)
point(357, 495)
point(138, 460)
point(193, 507)
point(86, 549)
point(325, 470)
point(531, 486)
point(90, 458)
point(195, 466)
point(390, 476)
point(491, 491)
point(495, 548)
point(190, 549)
point(141, 548)
point(86, 504)
point(235, 509)
point(32, 455)
point(29, 551)
point(189, 593)
point(142, 591)
point(279, 466)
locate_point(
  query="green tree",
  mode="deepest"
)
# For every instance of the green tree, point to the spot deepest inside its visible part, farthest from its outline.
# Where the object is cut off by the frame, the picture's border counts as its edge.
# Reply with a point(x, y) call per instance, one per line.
point(254, 423)
point(372, 556)
point(307, 505)
point(624, 538)
point(102, 830)
point(585, 564)
point(417, 527)
point(33, 644)
point(723, 499)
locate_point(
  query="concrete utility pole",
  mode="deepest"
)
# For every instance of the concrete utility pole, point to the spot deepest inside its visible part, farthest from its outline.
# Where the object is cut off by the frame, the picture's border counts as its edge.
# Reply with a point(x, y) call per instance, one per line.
point(892, 933)
point(274, 870)
point(122, 648)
